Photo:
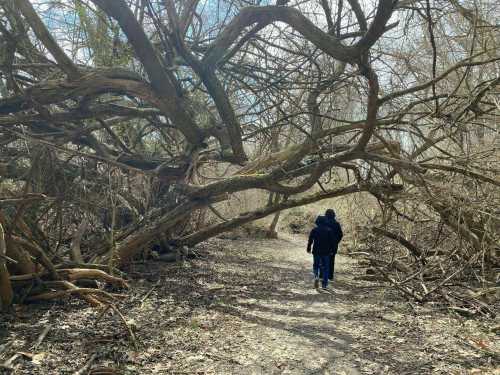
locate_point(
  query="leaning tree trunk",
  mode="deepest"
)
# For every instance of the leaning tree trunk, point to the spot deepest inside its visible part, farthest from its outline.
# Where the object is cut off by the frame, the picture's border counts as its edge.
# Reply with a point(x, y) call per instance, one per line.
point(6, 293)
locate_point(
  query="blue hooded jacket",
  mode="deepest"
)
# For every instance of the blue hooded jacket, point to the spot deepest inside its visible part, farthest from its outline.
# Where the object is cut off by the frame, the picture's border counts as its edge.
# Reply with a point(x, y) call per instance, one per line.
point(321, 238)
point(334, 225)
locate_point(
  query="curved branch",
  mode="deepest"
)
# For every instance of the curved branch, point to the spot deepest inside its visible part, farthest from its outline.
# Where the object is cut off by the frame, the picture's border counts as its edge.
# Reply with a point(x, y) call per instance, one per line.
point(46, 38)
point(89, 85)
point(414, 250)
point(360, 16)
point(327, 43)
point(463, 171)
point(289, 190)
point(162, 84)
point(462, 64)
point(372, 108)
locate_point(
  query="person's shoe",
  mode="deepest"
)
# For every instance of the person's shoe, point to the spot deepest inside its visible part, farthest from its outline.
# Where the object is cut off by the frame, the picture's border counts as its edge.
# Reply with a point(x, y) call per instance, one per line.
point(324, 287)
point(316, 283)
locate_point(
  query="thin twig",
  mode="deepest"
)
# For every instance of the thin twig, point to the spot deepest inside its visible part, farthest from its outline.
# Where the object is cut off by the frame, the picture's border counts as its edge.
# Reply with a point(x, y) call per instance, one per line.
point(42, 336)
point(130, 331)
point(87, 365)
point(8, 259)
point(149, 292)
point(101, 314)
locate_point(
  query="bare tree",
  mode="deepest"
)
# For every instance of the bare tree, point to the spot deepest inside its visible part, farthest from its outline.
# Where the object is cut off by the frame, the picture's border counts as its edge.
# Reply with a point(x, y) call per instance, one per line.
point(114, 116)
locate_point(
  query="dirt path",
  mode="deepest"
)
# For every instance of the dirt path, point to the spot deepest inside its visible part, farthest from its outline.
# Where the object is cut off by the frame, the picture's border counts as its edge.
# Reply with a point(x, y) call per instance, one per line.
point(286, 326)
point(248, 307)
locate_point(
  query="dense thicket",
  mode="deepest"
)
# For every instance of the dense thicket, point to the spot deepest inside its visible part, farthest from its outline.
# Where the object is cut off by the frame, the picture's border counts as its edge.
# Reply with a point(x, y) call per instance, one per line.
point(122, 121)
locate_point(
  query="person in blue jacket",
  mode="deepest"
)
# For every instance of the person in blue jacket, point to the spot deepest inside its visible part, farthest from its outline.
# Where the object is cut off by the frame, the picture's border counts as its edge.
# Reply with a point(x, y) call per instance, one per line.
point(337, 231)
point(321, 239)
point(334, 238)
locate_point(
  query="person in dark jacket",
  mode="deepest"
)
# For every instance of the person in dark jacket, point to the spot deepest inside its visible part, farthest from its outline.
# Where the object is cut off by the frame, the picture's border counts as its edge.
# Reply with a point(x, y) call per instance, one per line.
point(321, 239)
point(338, 234)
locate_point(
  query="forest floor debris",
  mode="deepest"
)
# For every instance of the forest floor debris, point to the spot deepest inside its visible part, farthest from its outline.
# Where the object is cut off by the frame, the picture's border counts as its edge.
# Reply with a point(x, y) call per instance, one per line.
point(248, 307)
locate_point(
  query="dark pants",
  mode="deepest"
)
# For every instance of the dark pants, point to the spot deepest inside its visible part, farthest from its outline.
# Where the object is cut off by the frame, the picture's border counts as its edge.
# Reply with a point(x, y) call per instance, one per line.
point(332, 267)
point(322, 263)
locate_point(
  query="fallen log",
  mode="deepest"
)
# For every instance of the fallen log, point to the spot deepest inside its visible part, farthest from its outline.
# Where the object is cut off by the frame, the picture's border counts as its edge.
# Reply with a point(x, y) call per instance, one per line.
point(247, 217)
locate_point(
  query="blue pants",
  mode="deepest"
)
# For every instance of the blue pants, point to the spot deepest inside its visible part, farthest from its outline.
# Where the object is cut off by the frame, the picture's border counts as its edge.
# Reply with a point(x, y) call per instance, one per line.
point(322, 262)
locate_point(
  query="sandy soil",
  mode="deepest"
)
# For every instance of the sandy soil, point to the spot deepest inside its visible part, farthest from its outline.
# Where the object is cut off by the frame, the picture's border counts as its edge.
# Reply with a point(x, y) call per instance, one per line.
point(248, 307)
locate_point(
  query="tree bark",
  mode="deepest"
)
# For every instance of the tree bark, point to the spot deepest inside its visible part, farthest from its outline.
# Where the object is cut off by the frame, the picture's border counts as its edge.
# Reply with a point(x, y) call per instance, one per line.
point(6, 292)
point(76, 253)
point(24, 264)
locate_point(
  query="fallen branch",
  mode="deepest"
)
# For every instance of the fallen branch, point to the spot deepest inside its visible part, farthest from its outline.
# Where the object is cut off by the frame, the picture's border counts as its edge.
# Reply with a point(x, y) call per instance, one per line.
point(405, 291)
point(101, 314)
point(88, 294)
point(149, 292)
point(87, 365)
point(5, 257)
point(73, 274)
point(129, 329)
point(246, 217)
point(414, 250)
point(27, 276)
point(8, 363)
point(42, 336)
